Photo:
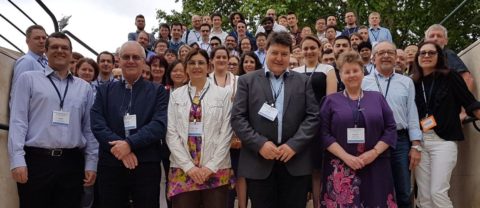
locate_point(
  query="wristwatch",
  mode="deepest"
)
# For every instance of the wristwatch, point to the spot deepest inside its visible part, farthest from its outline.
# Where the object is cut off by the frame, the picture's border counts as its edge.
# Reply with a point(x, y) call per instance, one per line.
point(417, 147)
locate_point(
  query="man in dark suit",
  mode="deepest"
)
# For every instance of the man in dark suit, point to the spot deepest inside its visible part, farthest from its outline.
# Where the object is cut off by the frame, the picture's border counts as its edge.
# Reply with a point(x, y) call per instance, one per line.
point(275, 116)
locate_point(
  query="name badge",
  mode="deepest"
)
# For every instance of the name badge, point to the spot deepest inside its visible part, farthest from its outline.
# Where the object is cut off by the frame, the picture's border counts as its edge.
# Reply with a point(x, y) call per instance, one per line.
point(428, 123)
point(195, 129)
point(130, 121)
point(355, 135)
point(61, 117)
point(269, 112)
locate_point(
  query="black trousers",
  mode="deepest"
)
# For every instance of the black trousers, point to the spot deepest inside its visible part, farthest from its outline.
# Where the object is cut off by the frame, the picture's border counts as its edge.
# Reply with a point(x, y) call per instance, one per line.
point(53, 181)
point(117, 185)
point(279, 190)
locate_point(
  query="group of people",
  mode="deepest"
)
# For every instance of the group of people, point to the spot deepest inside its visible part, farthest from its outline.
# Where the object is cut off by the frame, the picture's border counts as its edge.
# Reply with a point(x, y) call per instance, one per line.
point(343, 117)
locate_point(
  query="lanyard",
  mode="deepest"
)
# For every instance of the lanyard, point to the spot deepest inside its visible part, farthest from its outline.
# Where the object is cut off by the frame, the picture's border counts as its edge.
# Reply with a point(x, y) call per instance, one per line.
point(200, 98)
point(356, 113)
point(58, 92)
point(277, 93)
point(314, 69)
point(388, 85)
point(375, 36)
point(427, 101)
point(215, 79)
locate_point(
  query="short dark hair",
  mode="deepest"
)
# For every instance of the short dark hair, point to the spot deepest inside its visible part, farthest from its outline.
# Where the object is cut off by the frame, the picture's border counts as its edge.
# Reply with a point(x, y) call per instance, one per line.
point(176, 24)
point(77, 55)
point(96, 69)
point(143, 31)
point(291, 13)
point(206, 25)
point(216, 38)
point(107, 53)
point(216, 14)
point(364, 44)
point(59, 35)
point(139, 16)
point(265, 19)
point(30, 29)
point(331, 26)
point(280, 38)
point(160, 41)
point(251, 54)
point(343, 37)
point(260, 34)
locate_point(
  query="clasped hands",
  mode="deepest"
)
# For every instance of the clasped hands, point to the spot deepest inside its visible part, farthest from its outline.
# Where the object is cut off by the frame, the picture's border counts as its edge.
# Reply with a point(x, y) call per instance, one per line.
point(270, 151)
point(360, 161)
point(199, 174)
point(121, 150)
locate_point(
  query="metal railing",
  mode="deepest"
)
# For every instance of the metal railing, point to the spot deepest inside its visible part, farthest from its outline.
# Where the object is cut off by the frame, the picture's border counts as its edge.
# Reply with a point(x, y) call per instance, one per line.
point(472, 120)
point(4, 127)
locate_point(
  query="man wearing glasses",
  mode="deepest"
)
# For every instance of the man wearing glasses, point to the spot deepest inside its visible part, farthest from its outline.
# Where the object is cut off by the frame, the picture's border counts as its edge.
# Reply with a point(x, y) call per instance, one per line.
point(128, 119)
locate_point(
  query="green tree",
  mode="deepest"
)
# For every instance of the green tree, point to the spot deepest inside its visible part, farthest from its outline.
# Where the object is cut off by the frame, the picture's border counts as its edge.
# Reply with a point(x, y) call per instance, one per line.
point(406, 19)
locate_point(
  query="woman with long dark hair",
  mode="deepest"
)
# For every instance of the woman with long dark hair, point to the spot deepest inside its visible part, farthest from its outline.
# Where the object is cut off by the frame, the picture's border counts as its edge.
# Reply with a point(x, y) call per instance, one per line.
point(440, 95)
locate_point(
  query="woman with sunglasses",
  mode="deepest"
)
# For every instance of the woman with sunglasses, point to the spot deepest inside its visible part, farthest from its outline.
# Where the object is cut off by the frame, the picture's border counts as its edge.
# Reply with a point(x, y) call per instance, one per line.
point(440, 95)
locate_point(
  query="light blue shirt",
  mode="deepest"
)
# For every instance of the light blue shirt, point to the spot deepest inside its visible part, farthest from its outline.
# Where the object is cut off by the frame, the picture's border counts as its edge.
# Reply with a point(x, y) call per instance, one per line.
point(379, 34)
point(193, 37)
point(31, 114)
point(261, 56)
point(277, 84)
point(400, 98)
point(28, 62)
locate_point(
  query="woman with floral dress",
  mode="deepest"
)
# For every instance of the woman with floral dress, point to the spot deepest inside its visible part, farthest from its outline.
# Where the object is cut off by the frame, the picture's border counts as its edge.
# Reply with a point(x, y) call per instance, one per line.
point(199, 135)
point(357, 130)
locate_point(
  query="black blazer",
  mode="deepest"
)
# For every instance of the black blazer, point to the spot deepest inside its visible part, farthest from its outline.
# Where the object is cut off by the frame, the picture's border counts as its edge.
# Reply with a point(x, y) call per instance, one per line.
point(149, 104)
point(449, 94)
point(300, 123)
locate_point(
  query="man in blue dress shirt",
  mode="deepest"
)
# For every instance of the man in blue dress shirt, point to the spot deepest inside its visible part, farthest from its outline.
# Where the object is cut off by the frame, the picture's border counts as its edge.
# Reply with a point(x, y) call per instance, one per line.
point(399, 92)
point(376, 33)
point(34, 60)
point(52, 150)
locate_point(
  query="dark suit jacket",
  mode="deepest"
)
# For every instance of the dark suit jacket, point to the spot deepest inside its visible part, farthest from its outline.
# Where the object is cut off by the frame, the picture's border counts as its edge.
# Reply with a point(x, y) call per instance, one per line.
point(149, 104)
point(300, 123)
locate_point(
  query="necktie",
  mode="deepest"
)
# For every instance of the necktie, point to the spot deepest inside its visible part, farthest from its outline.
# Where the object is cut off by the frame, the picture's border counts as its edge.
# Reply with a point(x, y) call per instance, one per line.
point(43, 61)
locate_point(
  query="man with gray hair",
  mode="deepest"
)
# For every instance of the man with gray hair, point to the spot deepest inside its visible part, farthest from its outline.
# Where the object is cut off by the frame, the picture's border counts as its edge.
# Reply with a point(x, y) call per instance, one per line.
point(128, 119)
point(439, 35)
point(399, 92)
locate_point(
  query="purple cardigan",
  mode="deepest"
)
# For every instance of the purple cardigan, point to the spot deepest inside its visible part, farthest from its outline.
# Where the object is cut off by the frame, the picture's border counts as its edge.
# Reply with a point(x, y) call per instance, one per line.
point(336, 116)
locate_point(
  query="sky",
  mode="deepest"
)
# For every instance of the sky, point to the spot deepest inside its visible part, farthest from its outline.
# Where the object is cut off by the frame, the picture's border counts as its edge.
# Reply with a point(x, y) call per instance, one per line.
point(102, 24)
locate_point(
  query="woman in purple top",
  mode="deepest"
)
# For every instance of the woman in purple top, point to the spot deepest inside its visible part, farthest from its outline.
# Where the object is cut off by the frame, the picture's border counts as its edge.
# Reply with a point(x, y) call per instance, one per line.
point(357, 130)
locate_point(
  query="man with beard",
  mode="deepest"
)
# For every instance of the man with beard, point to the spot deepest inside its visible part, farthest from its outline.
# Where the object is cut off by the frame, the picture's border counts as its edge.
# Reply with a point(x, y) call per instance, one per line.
point(105, 62)
point(140, 23)
point(231, 45)
point(351, 26)
point(193, 35)
point(341, 44)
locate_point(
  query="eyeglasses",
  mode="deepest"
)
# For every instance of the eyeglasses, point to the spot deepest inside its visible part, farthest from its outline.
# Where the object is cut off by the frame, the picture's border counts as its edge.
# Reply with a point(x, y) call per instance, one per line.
point(429, 53)
point(205, 31)
point(195, 63)
point(214, 44)
point(387, 52)
point(232, 65)
point(131, 57)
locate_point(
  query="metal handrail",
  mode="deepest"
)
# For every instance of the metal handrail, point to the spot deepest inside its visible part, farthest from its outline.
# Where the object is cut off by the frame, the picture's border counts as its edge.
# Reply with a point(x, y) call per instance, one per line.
point(11, 23)
point(80, 41)
point(54, 19)
point(473, 121)
point(22, 12)
point(4, 127)
point(8, 41)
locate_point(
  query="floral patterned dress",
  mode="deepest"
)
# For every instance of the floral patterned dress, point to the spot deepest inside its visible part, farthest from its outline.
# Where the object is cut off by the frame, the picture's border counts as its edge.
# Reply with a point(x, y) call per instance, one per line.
point(178, 181)
point(371, 186)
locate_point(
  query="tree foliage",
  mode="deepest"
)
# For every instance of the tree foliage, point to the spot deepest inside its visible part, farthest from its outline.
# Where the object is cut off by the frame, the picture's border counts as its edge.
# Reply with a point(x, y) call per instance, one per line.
point(406, 19)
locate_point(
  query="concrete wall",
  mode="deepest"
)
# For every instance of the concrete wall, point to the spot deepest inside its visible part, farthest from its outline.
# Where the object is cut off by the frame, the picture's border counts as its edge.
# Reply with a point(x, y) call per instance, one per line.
point(8, 188)
point(465, 191)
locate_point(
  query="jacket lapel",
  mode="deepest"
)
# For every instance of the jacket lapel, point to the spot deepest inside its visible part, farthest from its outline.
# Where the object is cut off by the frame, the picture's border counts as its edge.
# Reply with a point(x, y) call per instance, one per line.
point(287, 91)
point(266, 88)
